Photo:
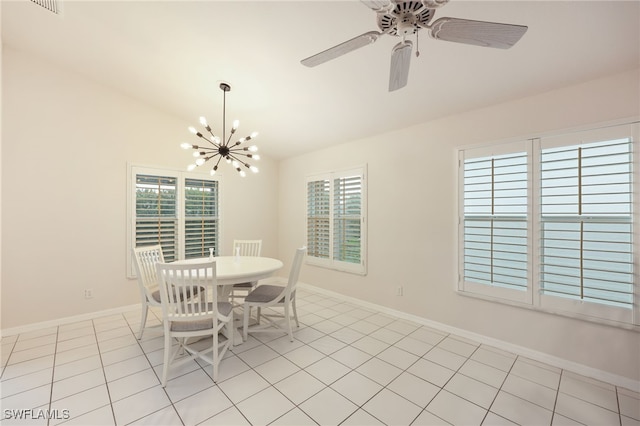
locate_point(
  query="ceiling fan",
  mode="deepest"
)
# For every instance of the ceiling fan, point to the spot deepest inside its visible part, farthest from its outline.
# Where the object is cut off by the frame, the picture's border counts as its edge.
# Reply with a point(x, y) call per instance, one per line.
point(403, 18)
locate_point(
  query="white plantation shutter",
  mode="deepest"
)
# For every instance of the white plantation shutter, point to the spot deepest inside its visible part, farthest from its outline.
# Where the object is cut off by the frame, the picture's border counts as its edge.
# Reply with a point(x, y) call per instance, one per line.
point(156, 219)
point(336, 228)
point(553, 223)
point(347, 218)
point(586, 216)
point(179, 211)
point(201, 217)
point(495, 227)
point(318, 218)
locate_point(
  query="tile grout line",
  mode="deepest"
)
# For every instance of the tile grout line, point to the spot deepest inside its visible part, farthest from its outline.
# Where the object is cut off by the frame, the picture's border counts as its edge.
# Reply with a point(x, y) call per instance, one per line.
point(360, 406)
point(500, 389)
point(445, 384)
point(322, 334)
point(104, 374)
point(139, 342)
point(555, 402)
point(53, 371)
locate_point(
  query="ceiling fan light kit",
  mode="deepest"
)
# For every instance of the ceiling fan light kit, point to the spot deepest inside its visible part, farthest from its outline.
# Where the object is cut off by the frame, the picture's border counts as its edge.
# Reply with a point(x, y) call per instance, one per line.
point(405, 18)
point(233, 153)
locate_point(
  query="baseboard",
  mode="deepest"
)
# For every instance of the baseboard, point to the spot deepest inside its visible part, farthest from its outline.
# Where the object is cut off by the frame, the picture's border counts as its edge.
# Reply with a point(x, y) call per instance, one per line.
point(66, 320)
point(562, 363)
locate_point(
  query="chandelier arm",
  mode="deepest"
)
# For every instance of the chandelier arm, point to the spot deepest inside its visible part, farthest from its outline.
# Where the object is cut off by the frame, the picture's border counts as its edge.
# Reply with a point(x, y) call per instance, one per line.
point(213, 142)
point(229, 139)
point(233, 157)
point(213, 137)
point(206, 153)
point(235, 148)
point(236, 152)
point(201, 136)
point(239, 160)
point(242, 140)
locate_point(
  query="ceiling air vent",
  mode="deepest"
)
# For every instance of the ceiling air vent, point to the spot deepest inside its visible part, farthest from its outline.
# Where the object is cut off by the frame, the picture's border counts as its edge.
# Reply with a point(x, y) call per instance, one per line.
point(51, 5)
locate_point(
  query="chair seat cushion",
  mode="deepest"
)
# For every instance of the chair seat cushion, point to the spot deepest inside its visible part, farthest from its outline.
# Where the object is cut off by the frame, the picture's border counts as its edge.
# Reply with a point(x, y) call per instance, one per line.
point(156, 294)
point(265, 293)
point(245, 285)
point(224, 308)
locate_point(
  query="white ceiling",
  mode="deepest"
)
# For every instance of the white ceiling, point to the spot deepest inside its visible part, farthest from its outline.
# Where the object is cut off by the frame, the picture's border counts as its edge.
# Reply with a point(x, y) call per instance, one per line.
point(173, 54)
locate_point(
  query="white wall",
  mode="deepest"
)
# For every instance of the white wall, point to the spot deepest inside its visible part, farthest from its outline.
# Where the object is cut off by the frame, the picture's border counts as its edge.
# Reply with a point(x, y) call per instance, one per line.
point(62, 234)
point(66, 145)
point(413, 221)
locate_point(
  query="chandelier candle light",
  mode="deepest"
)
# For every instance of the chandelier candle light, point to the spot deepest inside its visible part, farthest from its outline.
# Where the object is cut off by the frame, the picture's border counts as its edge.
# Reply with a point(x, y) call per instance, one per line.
point(233, 153)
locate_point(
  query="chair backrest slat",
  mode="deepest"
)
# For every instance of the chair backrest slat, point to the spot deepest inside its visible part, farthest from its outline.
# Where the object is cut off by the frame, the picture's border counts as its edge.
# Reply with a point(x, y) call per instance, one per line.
point(187, 289)
point(294, 274)
point(290, 289)
point(248, 247)
point(145, 260)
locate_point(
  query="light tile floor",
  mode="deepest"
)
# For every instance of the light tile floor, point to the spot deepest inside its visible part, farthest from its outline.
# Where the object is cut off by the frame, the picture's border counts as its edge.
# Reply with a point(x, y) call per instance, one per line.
point(347, 366)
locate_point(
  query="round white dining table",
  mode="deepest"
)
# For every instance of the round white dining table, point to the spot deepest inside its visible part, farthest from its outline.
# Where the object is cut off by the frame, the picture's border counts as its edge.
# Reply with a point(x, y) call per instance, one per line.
point(234, 270)
point(238, 269)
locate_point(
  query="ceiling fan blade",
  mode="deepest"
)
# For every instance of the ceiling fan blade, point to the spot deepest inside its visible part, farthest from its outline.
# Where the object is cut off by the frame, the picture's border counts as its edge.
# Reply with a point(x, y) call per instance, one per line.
point(378, 5)
point(400, 61)
point(341, 49)
point(479, 33)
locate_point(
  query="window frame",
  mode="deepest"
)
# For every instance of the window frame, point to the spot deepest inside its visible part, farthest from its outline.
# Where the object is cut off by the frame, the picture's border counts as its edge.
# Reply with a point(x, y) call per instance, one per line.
point(470, 287)
point(537, 299)
point(133, 170)
point(329, 262)
point(586, 308)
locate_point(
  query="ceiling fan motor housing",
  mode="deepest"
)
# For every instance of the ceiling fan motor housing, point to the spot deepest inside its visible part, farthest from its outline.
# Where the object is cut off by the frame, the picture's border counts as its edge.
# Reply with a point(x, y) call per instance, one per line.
point(407, 17)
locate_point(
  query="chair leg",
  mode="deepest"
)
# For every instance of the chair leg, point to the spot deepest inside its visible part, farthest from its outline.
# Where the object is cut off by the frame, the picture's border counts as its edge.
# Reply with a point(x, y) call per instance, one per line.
point(231, 330)
point(295, 312)
point(245, 322)
point(287, 314)
point(143, 319)
point(215, 356)
point(167, 352)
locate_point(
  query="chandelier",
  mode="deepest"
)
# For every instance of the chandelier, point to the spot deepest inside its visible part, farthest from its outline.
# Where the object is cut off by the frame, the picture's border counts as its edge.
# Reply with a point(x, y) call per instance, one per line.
point(222, 148)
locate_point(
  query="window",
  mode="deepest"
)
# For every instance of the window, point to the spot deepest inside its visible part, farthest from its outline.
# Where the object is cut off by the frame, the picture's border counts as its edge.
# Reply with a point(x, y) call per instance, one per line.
point(156, 219)
point(550, 223)
point(200, 217)
point(496, 222)
point(179, 211)
point(336, 210)
point(586, 223)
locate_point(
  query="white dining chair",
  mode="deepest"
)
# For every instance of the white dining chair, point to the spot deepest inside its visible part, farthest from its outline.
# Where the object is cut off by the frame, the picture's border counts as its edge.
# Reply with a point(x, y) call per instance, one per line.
point(267, 297)
point(145, 260)
point(200, 316)
point(244, 248)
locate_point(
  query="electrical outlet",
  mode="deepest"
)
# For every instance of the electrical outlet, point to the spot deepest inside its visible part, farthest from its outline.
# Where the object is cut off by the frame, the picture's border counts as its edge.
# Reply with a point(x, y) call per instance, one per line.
point(399, 291)
point(88, 293)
